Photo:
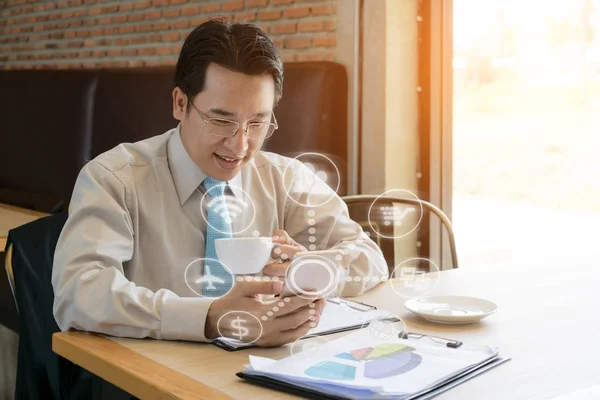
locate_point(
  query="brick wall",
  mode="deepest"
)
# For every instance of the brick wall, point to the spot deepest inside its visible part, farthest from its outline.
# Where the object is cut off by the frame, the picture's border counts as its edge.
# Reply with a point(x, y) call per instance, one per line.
point(126, 33)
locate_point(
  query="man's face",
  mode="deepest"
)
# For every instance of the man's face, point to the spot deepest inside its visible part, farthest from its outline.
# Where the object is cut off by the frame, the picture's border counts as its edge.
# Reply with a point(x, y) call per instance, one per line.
point(227, 95)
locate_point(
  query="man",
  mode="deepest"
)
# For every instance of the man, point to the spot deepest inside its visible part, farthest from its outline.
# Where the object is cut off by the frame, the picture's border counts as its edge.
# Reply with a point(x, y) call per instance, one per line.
point(139, 218)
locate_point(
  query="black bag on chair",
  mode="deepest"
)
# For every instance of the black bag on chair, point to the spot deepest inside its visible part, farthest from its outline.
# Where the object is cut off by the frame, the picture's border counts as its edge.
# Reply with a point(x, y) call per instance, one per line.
point(41, 373)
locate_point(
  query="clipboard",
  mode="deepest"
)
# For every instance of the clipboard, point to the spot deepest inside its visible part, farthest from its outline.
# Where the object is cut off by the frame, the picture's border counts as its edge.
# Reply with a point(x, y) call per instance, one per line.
point(355, 306)
point(429, 393)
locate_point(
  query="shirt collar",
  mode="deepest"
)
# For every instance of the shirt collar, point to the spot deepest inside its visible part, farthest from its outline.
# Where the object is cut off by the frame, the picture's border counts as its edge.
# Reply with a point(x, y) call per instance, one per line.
point(187, 175)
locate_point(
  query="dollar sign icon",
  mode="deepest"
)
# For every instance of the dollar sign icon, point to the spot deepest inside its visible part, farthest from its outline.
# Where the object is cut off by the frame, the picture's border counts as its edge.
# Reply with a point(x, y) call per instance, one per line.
point(238, 324)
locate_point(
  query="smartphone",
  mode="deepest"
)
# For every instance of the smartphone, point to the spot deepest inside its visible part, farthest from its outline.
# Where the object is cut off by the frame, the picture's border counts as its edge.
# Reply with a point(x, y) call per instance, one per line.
point(313, 273)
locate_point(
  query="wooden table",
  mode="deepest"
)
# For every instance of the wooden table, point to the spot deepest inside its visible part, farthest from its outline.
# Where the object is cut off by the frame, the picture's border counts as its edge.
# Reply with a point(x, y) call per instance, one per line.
point(547, 322)
point(11, 217)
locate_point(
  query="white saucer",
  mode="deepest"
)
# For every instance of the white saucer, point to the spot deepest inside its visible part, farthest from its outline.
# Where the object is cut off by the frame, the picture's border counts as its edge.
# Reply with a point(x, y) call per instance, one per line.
point(451, 309)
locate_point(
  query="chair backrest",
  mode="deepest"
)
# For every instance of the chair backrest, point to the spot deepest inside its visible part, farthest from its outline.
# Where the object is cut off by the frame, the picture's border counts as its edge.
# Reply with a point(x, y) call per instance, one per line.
point(40, 372)
point(378, 216)
point(46, 129)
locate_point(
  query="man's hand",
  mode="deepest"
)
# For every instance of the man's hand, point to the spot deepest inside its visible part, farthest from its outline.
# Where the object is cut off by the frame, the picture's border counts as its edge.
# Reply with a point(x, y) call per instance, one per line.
point(285, 247)
point(289, 323)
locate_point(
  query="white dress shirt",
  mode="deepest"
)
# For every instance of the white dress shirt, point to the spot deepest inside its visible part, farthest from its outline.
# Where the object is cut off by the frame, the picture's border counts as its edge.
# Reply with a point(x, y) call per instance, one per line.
point(137, 221)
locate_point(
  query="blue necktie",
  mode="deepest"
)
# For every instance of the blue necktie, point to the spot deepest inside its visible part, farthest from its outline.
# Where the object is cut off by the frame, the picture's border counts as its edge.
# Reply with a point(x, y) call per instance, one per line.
point(219, 281)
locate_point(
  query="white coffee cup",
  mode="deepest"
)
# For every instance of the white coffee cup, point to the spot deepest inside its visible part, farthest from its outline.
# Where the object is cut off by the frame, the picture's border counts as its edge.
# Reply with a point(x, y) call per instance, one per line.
point(244, 256)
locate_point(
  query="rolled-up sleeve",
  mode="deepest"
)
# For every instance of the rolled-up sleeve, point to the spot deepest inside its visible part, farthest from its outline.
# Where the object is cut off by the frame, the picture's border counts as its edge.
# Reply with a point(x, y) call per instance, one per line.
point(90, 287)
point(316, 215)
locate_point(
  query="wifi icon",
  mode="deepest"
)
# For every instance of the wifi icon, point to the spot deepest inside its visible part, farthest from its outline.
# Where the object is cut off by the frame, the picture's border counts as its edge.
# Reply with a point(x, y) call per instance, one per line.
point(229, 209)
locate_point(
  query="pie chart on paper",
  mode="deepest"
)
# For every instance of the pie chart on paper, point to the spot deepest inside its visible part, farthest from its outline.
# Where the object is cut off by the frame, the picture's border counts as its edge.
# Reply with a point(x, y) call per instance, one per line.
point(378, 362)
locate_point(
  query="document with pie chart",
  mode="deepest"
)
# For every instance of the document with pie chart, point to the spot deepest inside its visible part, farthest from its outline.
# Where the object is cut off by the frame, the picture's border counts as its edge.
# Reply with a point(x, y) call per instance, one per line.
point(357, 366)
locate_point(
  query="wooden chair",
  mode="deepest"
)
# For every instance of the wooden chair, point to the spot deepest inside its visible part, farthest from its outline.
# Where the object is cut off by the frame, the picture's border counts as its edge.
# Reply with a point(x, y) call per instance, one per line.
point(375, 214)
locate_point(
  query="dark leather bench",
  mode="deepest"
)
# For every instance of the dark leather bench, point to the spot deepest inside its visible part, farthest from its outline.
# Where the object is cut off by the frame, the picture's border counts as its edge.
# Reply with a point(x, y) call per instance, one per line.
point(54, 121)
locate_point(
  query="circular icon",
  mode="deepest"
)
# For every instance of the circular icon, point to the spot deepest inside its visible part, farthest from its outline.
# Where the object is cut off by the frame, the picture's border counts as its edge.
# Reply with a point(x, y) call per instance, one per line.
point(231, 208)
point(384, 328)
point(240, 325)
point(208, 277)
point(316, 183)
point(312, 276)
point(308, 347)
point(394, 217)
point(414, 278)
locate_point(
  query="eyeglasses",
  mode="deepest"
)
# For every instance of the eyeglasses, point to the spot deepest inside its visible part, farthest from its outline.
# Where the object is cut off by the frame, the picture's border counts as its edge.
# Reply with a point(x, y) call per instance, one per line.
point(227, 128)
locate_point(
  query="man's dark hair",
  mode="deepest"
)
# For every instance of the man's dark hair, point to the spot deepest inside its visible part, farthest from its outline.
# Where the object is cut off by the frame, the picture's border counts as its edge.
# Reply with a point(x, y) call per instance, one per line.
point(240, 47)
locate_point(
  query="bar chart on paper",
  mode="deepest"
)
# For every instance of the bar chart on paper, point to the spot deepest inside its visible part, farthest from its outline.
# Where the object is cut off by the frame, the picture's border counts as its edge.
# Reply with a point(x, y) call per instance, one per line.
point(378, 362)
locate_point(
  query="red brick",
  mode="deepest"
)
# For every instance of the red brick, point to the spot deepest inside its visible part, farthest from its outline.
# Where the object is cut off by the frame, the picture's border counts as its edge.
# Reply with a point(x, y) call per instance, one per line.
point(141, 5)
point(119, 19)
point(175, 2)
point(170, 61)
point(114, 52)
point(74, 3)
point(89, 43)
point(154, 14)
point(76, 44)
point(211, 8)
point(62, 25)
point(83, 34)
point(198, 20)
point(113, 30)
point(256, 3)
point(96, 32)
point(323, 10)
point(143, 27)
point(297, 43)
point(233, 5)
point(160, 3)
point(278, 43)
point(163, 50)
point(84, 54)
point(155, 37)
point(110, 9)
point(94, 11)
point(170, 13)
point(330, 25)
point(135, 17)
point(63, 4)
point(247, 16)
point(310, 26)
point(296, 12)
point(283, 28)
point(137, 40)
point(66, 14)
point(288, 57)
point(194, 10)
point(38, 28)
point(152, 63)
point(129, 52)
point(126, 29)
point(171, 36)
point(160, 26)
point(70, 34)
point(80, 13)
point(324, 41)
point(146, 51)
point(125, 7)
point(269, 15)
point(180, 24)
point(104, 20)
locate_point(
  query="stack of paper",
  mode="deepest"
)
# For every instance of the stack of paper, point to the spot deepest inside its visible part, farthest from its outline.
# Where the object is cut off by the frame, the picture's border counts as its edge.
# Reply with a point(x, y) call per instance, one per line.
point(360, 366)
